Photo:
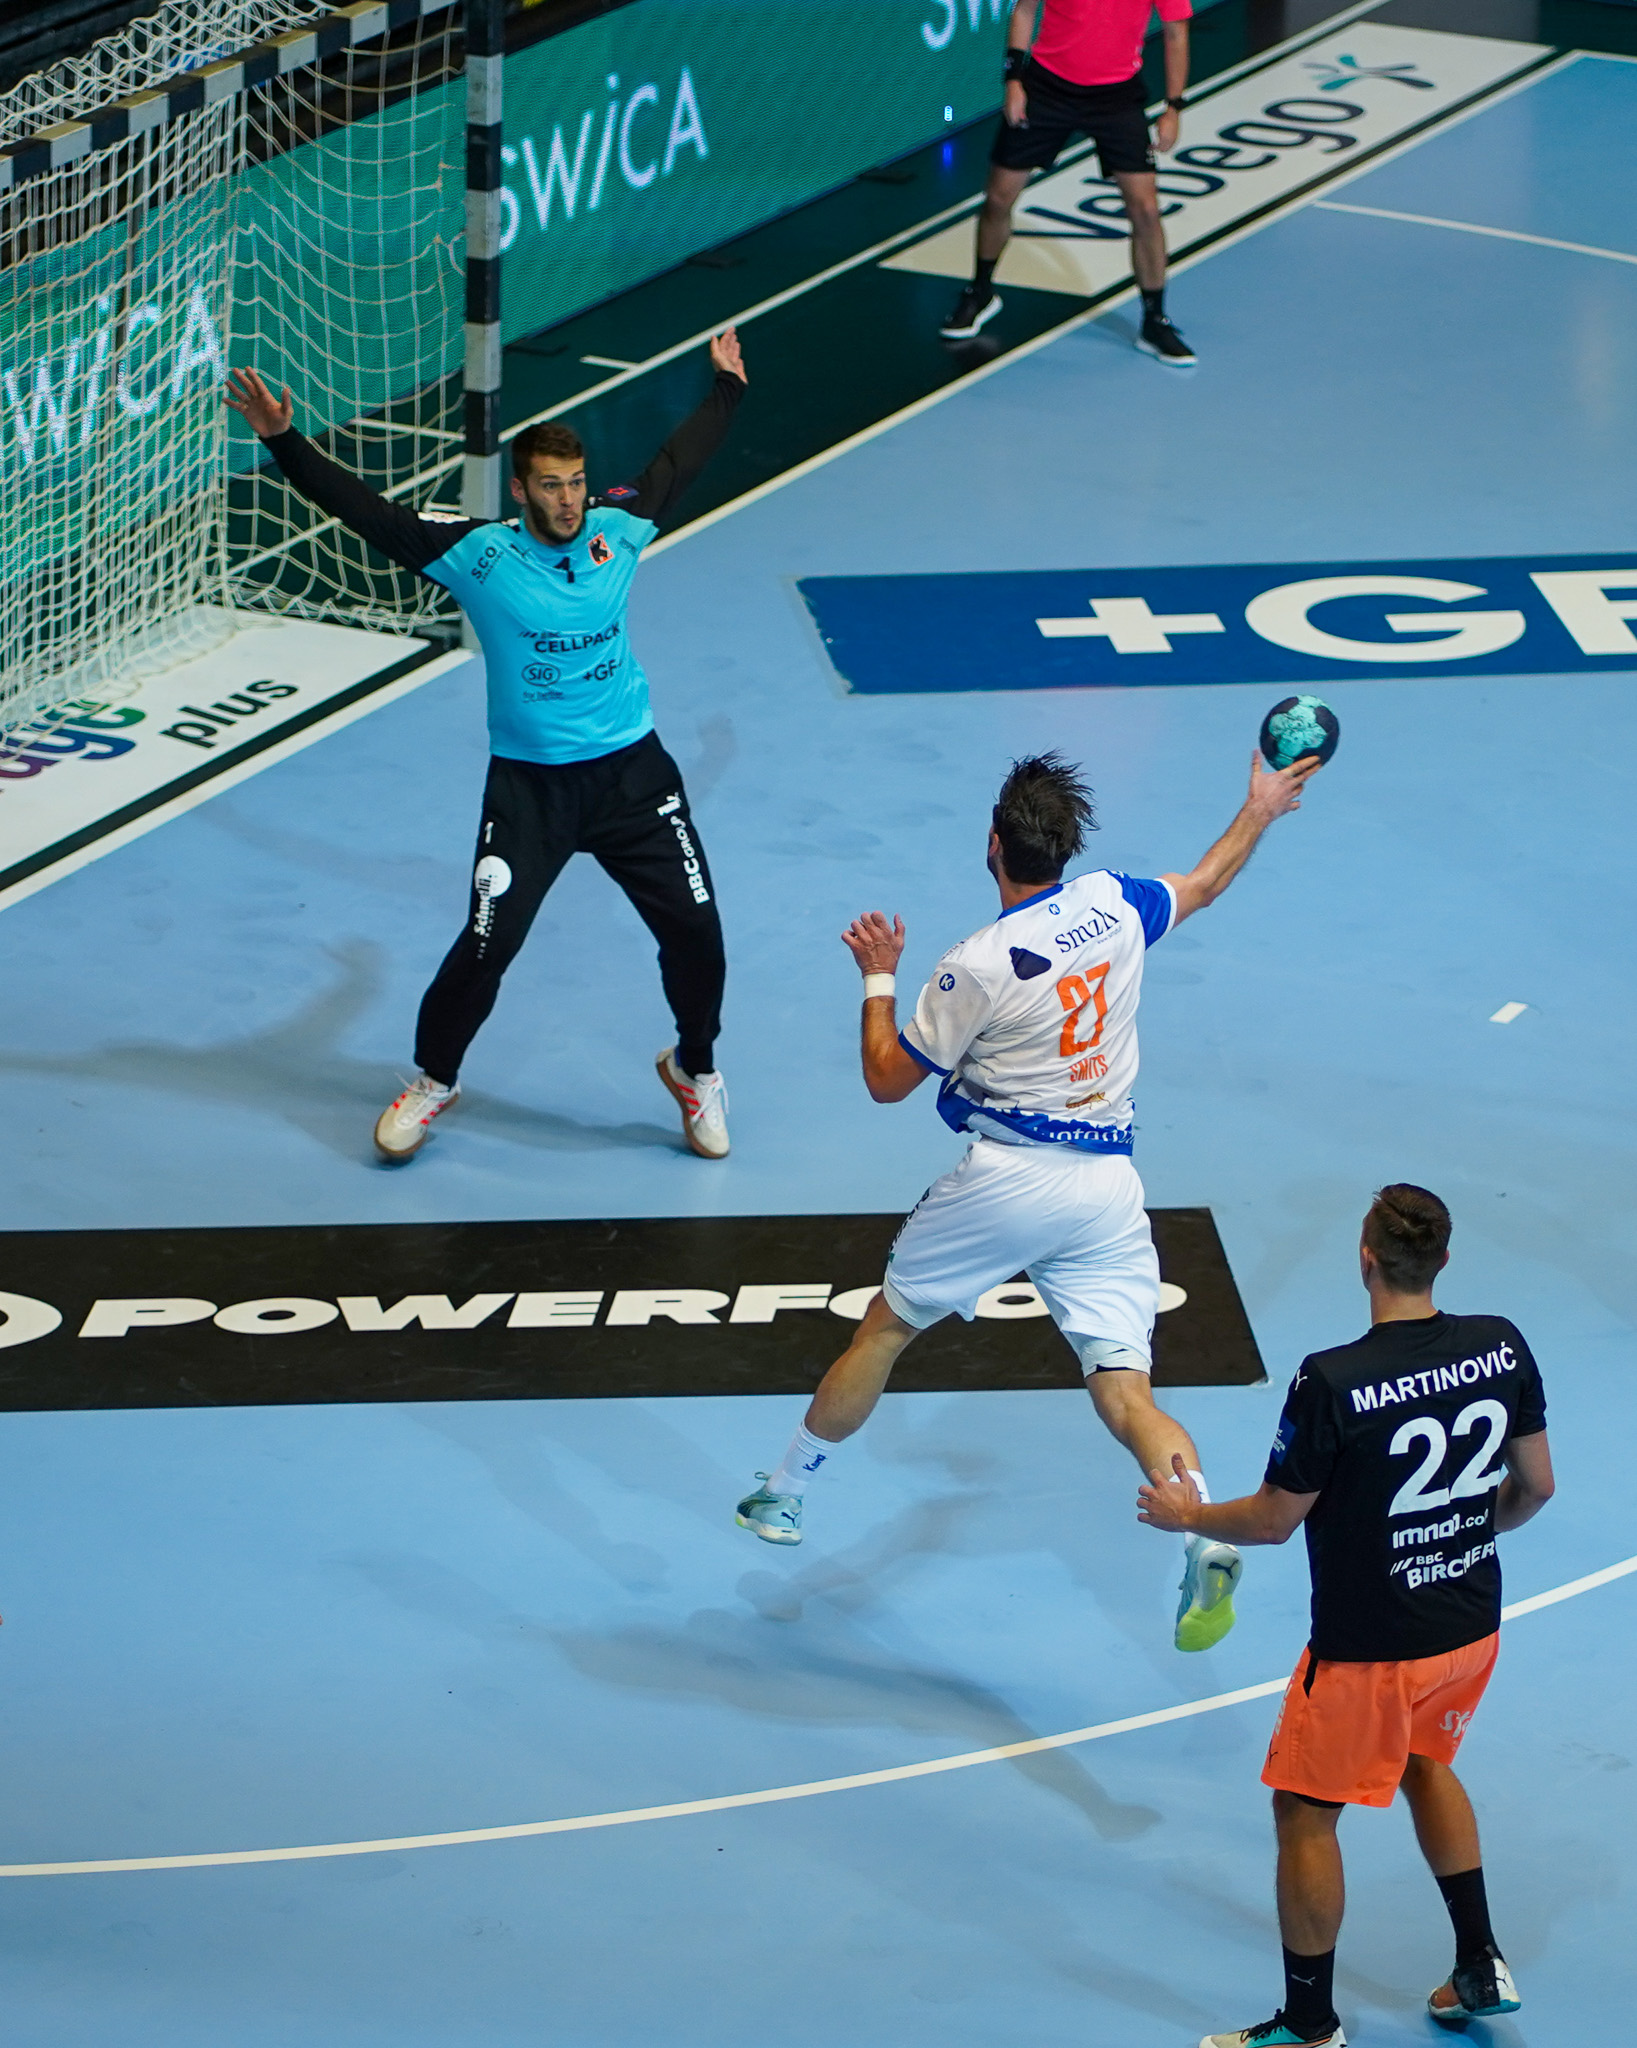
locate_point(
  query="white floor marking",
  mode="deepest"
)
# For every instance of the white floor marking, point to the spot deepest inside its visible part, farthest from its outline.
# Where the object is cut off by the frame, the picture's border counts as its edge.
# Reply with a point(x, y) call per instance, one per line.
point(967, 206)
point(1075, 321)
point(1472, 227)
point(415, 485)
point(612, 363)
point(1507, 1012)
point(893, 1775)
point(1056, 247)
point(68, 818)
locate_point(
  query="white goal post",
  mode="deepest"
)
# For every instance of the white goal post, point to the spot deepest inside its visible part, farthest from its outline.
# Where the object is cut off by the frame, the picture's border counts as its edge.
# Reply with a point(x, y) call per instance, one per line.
point(225, 181)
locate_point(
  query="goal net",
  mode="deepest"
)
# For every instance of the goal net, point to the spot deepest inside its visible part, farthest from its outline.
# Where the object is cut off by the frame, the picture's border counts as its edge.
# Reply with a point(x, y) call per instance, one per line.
point(310, 224)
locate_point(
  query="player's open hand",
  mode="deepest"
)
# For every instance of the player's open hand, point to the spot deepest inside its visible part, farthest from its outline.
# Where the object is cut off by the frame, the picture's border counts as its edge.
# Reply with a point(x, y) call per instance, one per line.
point(725, 353)
point(875, 944)
point(261, 411)
point(1274, 791)
point(1169, 1504)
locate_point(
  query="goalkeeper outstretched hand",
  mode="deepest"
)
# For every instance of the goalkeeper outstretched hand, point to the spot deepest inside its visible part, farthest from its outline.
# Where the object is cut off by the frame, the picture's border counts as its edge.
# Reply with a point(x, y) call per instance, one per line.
point(724, 354)
point(262, 412)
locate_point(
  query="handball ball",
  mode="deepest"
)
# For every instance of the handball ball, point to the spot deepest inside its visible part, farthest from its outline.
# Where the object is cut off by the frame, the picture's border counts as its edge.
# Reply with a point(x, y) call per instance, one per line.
point(1298, 727)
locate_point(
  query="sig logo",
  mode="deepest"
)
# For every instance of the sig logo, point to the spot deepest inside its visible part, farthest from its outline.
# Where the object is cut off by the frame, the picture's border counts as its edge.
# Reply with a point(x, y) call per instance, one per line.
point(1455, 1721)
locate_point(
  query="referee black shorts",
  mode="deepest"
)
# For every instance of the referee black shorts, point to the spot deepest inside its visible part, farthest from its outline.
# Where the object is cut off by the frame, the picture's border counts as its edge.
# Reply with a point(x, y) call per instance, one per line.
point(1113, 116)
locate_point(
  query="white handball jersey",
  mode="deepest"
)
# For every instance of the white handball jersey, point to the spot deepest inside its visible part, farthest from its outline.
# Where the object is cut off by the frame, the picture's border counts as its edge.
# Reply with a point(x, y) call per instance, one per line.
point(1033, 1021)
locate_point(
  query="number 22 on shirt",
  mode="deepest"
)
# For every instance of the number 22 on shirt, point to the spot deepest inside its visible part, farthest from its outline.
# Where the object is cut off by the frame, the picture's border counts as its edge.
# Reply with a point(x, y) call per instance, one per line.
point(1415, 1496)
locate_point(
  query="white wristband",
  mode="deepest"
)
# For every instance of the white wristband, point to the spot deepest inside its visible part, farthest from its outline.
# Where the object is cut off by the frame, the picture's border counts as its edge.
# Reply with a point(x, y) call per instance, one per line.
point(878, 985)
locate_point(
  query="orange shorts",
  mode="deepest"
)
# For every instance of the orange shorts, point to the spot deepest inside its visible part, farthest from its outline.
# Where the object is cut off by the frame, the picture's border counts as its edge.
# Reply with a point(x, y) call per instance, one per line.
point(1346, 1731)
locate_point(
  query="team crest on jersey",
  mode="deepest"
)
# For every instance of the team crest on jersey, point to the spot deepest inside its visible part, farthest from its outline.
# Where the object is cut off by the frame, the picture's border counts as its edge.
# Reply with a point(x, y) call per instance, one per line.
point(600, 551)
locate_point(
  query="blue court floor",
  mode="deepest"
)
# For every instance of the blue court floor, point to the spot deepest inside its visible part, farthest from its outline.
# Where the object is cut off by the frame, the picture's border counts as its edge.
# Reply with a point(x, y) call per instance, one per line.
point(240, 1629)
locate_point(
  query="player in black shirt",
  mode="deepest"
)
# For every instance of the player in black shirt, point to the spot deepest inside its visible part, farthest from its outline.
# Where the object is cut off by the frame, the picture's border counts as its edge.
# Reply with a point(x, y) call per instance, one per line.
point(1404, 1454)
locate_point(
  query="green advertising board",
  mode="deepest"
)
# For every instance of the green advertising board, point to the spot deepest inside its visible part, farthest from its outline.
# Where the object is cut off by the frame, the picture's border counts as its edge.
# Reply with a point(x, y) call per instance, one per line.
point(632, 142)
point(669, 125)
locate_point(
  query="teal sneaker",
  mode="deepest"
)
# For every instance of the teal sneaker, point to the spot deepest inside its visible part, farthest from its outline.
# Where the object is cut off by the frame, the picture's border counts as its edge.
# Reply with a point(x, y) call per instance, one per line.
point(775, 1517)
point(1205, 1612)
point(1274, 2033)
point(1480, 1991)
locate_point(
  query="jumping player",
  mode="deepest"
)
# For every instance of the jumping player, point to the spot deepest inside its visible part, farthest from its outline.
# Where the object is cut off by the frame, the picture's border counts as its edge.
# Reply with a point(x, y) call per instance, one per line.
point(1404, 1454)
point(576, 764)
point(1084, 76)
point(1031, 1025)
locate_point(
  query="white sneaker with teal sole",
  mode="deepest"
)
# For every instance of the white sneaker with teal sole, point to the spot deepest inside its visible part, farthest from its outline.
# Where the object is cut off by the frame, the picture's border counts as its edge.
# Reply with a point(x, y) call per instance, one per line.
point(775, 1517)
point(1480, 1991)
point(1205, 1612)
point(1274, 2033)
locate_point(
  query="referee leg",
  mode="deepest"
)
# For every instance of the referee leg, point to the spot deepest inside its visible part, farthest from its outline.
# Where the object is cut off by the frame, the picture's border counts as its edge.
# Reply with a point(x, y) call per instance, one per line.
point(526, 836)
point(647, 842)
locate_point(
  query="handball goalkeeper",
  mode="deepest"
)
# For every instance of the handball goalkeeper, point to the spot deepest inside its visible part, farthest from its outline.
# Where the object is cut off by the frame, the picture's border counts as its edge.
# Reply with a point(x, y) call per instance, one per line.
point(576, 766)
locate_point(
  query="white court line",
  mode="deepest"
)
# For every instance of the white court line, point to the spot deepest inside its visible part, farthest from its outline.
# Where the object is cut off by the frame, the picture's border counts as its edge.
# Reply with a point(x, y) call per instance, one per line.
point(893, 1775)
point(1281, 210)
point(1508, 1013)
point(1472, 227)
point(623, 375)
point(228, 777)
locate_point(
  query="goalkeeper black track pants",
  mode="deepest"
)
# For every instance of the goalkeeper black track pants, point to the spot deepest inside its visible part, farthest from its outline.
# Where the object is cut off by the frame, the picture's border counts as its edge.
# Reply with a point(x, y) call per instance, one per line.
point(629, 811)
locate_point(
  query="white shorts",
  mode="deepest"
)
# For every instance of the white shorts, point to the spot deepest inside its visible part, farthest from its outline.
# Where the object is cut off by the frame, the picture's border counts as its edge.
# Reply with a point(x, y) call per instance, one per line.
point(1073, 1221)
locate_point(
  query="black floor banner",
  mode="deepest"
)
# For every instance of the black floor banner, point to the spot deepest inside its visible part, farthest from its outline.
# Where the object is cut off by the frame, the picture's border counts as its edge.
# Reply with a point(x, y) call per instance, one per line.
point(507, 1311)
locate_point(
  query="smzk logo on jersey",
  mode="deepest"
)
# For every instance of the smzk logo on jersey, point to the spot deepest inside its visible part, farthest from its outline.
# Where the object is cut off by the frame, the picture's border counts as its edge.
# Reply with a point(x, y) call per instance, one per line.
point(1455, 1721)
point(600, 551)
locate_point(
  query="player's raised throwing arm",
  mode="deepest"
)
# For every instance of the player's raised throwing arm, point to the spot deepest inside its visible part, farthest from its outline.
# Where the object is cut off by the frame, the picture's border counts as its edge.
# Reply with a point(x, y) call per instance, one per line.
point(398, 531)
point(1272, 793)
point(890, 1073)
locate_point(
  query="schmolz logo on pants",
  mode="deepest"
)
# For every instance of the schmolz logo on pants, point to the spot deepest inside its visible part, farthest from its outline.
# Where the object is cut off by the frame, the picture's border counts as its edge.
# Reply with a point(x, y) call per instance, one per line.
point(671, 808)
point(491, 878)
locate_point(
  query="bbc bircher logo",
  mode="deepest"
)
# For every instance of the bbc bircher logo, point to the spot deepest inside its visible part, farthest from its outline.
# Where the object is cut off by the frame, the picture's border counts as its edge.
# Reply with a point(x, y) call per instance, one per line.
point(1288, 622)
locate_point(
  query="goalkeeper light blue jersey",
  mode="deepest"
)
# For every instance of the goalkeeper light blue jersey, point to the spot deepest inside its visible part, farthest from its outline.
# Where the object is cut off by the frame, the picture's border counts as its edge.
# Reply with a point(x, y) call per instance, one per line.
point(564, 685)
point(563, 682)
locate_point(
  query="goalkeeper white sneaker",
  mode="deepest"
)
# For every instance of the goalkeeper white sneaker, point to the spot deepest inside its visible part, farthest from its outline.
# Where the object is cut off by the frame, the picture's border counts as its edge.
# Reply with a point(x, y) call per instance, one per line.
point(703, 1099)
point(404, 1126)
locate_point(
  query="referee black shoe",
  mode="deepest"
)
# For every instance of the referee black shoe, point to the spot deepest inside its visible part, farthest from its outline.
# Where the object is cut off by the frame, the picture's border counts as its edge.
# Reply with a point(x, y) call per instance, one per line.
point(975, 308)
point(1160, 339)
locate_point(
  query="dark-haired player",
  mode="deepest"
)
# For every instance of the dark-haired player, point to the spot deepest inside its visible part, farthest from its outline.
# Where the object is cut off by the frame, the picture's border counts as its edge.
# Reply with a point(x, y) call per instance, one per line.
point(1404, 1454)
point(1084, 76)
point(576, 766)
point(1031, 1026)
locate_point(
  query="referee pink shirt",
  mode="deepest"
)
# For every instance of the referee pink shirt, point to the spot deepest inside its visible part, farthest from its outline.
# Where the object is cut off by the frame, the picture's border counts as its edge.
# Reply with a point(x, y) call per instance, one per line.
point(1099, 42)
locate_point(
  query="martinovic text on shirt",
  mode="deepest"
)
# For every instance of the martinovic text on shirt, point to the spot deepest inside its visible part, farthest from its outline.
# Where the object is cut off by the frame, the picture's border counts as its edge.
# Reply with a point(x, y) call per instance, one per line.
point(1438, 1379)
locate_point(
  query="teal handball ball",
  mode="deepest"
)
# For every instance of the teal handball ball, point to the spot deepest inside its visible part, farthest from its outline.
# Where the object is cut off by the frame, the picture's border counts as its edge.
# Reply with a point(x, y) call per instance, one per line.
point(1298, 727)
